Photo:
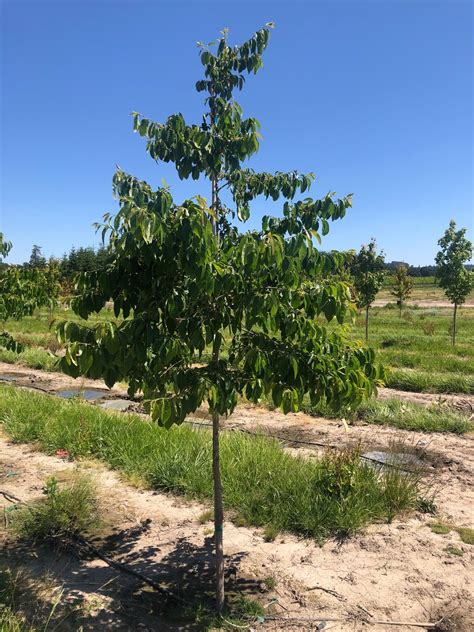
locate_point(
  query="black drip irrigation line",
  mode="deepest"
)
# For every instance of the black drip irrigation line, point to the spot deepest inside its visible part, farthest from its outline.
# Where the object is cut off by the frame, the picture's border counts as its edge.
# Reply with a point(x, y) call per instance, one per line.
point(299, 441)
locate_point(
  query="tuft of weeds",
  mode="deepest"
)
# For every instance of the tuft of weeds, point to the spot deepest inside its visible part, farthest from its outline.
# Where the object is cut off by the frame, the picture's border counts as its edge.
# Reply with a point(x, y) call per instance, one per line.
point(33, 357)
point(454, 550)
point(71, 508)
point(426, 505)
point(206, 516)
point(270, 533)
point(440, 528)
point(336, 494)
point(270, 582)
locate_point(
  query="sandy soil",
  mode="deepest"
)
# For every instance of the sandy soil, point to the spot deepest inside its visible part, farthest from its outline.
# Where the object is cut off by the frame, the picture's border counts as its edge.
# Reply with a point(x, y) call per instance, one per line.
point(380, 302)
point(463, 402)
point(396, 572)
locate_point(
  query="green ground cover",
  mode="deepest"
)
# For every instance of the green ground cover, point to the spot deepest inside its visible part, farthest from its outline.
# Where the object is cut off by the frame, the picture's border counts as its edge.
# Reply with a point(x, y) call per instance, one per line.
point(264, 486)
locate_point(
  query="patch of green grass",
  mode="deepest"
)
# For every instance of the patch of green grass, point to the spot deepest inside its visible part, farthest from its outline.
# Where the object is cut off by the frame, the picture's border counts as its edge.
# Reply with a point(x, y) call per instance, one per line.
point(454, 550)
point(263, 484)
point(424, 381)
point(240, 612)
point(417, 348)
point(66, 509)
point(33, 357)
point(466, 534)
point(404, 415)
point(11, 620)
point(440, 528)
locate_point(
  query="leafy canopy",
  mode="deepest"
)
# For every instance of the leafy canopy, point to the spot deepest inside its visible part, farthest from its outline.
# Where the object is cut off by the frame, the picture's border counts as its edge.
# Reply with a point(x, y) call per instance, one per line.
point(455, 252)
point(205, 312)
point(402, 284)
point(368, 270)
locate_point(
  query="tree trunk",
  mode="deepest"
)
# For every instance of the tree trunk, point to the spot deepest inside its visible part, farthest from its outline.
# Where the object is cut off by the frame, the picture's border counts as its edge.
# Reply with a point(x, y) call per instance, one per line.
point(218, 506)
point(366, 322)
point(218, 515)
point(216, 470)
point(215, 226)
point(454, 323)
point(401, 305)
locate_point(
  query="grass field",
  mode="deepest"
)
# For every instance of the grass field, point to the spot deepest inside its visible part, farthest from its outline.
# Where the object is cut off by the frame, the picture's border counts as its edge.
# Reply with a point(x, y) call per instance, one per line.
point(417, 350)
point(424, 289)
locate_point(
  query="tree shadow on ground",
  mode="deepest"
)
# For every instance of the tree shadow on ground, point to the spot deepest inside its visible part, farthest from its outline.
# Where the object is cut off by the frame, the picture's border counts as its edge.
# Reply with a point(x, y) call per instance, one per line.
point(98, 597)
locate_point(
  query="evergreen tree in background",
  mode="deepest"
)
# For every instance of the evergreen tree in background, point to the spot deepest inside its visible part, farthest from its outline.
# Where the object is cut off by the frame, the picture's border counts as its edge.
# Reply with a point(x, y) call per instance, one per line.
point(36, 258)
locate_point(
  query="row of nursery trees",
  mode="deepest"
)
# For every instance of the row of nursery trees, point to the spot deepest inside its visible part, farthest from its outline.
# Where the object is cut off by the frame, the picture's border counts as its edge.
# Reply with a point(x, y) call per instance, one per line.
point(368, 271)
point(22, 291)
point(183, 277)
point(399, 277)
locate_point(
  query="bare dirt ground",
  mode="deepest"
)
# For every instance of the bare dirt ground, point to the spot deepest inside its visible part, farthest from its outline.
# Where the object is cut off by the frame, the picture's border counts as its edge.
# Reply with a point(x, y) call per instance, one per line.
point(459, 402)
point(390, 572)
point(396, 572)
point(381, 302)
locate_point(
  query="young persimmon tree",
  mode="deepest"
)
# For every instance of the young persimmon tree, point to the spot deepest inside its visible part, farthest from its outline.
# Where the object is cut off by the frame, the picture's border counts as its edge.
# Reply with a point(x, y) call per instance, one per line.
point(402, 286)
point(368, 272)
point(456, 281)
point(184, 279)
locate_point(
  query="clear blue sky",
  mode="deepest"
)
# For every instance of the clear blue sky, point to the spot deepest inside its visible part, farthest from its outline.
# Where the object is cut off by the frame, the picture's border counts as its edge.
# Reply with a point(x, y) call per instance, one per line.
point(374, 97)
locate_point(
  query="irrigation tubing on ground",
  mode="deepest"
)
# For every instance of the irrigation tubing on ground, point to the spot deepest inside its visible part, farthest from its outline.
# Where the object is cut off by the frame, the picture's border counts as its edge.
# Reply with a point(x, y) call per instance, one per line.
point(249, 432)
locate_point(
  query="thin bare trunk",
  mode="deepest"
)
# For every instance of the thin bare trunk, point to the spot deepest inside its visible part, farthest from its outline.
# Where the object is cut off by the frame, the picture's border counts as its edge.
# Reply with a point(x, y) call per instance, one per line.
point(218, 515)
point(454, 323)
point(366, 322)
point(218, 504)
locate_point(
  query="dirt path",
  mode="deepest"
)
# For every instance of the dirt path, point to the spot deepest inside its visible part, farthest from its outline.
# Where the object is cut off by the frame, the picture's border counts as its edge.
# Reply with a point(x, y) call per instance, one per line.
point(381, 302)
point(460, 402)
point(400, 571)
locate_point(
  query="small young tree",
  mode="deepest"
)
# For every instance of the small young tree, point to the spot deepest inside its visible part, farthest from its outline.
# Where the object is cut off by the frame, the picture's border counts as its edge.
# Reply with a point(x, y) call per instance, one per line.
point(184, 279)
point(22, 290)
point(456, 281)
point(52, 285)
point(368, 271)
point(402, 286)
